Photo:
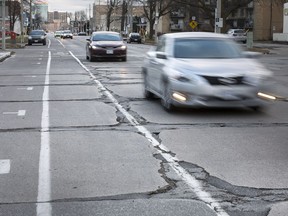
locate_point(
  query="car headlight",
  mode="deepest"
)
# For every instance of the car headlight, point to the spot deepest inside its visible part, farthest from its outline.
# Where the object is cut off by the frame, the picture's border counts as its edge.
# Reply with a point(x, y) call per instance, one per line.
point(123, 47)
point(95, 47)
point(29, 37)
point(42, 37)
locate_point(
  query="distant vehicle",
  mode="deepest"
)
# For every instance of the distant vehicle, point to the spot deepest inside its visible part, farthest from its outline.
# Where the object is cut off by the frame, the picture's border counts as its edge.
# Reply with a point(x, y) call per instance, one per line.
point(67, 34)
point(238, 35)
point(134, 37)
point(106, 45)
point(200, 69)
point(37, 36)
point(57, 34)
point(82, 34)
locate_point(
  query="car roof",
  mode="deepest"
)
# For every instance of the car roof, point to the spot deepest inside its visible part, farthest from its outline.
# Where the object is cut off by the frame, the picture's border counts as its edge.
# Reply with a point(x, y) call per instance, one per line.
point(105, 32)
point(196, 35)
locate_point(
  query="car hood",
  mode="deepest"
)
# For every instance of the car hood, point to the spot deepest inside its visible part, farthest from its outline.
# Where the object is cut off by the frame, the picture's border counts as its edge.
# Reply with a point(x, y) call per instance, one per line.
point(221, 67)
point(107, 43)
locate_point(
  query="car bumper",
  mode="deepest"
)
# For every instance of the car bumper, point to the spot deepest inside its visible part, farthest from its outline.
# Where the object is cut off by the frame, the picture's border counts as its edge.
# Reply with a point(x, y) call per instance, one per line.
point(36, 41)
point(242, 96)
point(104, 54)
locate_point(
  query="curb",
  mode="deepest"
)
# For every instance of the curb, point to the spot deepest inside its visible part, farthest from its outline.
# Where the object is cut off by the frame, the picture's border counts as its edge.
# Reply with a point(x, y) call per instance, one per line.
point(4, 56)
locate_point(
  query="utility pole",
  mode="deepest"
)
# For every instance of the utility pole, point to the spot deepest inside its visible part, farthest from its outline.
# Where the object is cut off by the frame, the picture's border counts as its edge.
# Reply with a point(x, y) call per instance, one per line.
point(22, 23)
point(218, 19)
point(156, 21)
point(30, 20)
point(3, 25)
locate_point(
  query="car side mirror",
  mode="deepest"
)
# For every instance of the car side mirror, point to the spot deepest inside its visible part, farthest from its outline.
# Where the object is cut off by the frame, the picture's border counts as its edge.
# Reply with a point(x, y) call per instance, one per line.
point(161, 56)
point(88, 39)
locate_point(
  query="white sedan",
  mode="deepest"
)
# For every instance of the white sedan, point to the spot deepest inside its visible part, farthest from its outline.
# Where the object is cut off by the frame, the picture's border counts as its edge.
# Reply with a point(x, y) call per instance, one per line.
point(200, 69)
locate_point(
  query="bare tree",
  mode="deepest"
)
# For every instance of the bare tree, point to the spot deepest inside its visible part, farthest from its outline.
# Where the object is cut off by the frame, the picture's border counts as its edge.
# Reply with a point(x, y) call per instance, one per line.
point(112, 7)
point(149, 6)
point(14, 11)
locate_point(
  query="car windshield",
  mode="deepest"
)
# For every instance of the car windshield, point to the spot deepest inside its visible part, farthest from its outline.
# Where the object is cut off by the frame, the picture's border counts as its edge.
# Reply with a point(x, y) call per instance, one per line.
point(106, 37)
point(37, 33)
point(67, 32)
point(239, 31)
point(205, 48)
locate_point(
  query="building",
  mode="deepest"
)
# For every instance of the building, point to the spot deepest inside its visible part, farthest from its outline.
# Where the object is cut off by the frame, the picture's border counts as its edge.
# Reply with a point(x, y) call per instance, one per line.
point(41, 8)
point(58, 20)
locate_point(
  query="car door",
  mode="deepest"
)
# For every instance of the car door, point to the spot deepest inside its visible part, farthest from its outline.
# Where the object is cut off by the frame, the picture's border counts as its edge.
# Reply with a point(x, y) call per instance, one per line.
point(159, 62)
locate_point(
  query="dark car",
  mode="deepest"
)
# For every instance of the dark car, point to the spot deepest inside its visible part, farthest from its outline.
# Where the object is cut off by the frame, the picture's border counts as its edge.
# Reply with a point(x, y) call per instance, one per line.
point(106, 45)
point(134, 37)
point(37, 36)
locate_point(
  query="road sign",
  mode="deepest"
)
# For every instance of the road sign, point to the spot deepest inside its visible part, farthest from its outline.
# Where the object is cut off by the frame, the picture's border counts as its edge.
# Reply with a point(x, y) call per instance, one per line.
point(193, 24)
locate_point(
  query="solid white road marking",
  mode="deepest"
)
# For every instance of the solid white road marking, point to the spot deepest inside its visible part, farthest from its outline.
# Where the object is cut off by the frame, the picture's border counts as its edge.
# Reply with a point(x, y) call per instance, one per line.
point(4, 166)
point(28, 89)
point(19, 113)
point(44, 182)
point(190, 180)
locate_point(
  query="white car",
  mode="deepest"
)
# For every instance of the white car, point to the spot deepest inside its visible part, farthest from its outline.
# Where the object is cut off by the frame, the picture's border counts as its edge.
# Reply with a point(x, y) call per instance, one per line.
point(200, 69)
point(239, 35)
point(67, 34)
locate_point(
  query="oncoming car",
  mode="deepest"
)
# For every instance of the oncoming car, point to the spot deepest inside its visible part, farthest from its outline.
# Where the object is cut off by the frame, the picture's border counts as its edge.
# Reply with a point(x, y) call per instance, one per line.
point(67, 34)
point(106, 45)
point(197, 69)
point(37, 36)
point(57, 34)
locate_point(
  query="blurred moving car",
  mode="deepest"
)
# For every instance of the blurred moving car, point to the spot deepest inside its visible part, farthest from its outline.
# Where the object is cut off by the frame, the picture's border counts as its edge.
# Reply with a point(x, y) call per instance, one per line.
point(82, 34)
point(107, 45)
point(37, 36)
point(57, 34)
point(238, 35)
point(67, 34)
point(198, 69)
point(134, 37)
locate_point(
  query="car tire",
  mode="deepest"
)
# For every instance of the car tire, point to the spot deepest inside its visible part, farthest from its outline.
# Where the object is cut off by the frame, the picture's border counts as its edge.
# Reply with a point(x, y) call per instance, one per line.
point(147, 94)
point(124, 59)
point(29, 44)
point(166, 97)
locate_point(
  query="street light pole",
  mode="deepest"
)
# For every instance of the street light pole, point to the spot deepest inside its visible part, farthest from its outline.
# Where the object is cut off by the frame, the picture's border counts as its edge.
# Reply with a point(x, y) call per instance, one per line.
point(3, 25)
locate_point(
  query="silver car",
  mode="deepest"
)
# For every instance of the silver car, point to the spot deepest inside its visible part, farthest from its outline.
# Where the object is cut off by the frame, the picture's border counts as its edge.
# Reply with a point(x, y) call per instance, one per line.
point(201, 69)
point(239, 35)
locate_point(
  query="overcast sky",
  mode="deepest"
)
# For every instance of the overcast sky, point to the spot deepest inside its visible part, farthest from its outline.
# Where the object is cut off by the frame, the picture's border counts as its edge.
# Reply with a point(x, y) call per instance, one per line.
point(69, 5)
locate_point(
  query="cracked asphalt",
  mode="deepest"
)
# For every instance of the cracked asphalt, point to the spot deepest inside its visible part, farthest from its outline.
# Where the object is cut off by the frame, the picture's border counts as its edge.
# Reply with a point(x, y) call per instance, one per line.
point(103, 165)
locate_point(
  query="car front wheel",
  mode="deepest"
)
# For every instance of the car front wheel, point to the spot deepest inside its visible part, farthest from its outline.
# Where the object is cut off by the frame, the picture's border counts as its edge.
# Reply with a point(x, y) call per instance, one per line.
point(147, 93)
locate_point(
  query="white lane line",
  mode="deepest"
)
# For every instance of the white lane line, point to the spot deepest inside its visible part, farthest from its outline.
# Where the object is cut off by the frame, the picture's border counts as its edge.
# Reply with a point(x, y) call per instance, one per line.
point(44, 182)
point(19, 113)
point(190, 180)
point(28, 89)
point(4, 166)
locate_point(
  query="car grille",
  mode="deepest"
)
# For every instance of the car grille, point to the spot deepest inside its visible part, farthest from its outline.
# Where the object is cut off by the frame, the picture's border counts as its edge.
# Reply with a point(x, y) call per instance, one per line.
point(239, 80)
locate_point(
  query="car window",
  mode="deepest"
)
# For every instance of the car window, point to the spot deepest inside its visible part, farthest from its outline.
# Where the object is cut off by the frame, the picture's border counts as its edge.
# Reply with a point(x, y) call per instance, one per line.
point(37, 33)
point(106, 37)
point(161, 44)
point(205, 48)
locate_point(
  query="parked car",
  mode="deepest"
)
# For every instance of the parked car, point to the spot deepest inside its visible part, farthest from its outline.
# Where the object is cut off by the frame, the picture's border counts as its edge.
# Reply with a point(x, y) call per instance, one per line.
point(198, 69)
point(238, 35)
point(82, 34)
point(37, 36)
point(105, 45)
point(57, 34)
point(67, 34)
point(134, 37)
